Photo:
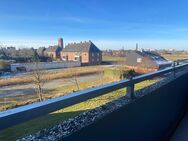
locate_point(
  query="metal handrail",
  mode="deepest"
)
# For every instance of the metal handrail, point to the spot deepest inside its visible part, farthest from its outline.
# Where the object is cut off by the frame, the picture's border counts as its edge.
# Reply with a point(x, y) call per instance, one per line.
point(24, 113)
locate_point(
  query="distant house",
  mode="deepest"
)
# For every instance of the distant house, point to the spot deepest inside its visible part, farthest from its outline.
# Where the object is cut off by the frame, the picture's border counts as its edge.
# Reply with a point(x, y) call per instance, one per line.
point(107, 52)
point(146, 61)
point(119, 53)
point(40, 51)
point(85, 52)
point(53, 52)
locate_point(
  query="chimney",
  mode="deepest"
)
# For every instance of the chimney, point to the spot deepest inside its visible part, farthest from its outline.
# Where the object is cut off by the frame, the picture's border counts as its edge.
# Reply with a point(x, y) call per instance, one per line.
point(60, 42)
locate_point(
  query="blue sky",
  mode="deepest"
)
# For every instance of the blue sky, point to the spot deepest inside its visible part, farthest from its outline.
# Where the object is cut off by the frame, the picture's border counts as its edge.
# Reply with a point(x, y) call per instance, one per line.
point(108, 23)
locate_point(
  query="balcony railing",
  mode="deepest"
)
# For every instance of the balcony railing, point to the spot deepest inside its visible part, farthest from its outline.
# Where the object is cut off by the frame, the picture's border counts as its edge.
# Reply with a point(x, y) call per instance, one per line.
point(24, 113)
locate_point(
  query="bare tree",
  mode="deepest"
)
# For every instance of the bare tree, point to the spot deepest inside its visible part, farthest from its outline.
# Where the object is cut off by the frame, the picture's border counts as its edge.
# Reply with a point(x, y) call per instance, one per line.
point(73, 77)
point(37, 76)
point(101, 74)
point(3, 53)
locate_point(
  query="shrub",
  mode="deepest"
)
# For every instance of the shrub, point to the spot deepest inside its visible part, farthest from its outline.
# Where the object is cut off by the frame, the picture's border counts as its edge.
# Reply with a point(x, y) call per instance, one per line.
point(4, 65)
point(127, 74)
point(119, 73)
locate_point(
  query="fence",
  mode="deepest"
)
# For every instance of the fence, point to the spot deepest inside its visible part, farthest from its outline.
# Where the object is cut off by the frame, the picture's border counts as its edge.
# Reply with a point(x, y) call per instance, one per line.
point(21, 114)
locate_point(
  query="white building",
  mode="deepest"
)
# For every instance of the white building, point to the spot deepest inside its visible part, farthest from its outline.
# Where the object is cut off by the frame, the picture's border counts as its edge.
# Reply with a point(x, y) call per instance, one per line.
point(43, 65)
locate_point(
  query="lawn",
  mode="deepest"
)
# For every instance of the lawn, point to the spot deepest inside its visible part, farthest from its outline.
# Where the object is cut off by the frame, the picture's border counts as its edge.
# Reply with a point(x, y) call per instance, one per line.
point(54, 118)
point(173, 57)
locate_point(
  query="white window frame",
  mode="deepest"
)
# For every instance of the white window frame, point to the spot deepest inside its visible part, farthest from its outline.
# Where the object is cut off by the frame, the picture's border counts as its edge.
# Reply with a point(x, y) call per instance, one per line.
point(78, 57)
point(139, 60)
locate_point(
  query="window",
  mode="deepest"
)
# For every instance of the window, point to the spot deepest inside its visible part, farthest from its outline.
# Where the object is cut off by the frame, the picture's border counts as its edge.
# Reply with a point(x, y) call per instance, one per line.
point(139, 60)
point(76, 58)
point(98, 54)
point(65, 58)
point(92, 54)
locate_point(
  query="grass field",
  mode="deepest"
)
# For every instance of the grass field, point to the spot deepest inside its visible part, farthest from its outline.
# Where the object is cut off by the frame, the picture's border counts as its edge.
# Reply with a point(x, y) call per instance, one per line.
point(12, 101)
point(51, 75)
point(50, 120)
point(173, 57)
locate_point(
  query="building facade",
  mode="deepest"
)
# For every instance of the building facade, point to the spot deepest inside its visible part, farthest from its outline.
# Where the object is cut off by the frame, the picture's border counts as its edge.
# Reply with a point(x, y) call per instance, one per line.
point(85, 52)
point(40, 51)
point(54, 51)
point(146, 61)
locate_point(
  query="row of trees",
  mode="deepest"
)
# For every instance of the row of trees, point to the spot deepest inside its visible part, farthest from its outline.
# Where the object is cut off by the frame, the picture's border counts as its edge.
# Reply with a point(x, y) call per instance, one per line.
point(21, 55)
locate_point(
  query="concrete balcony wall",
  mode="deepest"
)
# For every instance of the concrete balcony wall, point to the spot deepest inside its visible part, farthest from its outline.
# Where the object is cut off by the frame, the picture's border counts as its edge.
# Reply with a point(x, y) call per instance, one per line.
point(153, 117)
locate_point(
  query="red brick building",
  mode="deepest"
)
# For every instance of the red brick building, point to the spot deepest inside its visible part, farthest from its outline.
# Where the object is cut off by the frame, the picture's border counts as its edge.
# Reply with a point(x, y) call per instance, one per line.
point(85, 52)
point(54, 51)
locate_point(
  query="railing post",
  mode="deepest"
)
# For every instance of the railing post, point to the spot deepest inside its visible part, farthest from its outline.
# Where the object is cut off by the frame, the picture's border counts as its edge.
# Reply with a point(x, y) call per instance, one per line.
point(178, 63)
point(174, 69)
point(130, 90)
